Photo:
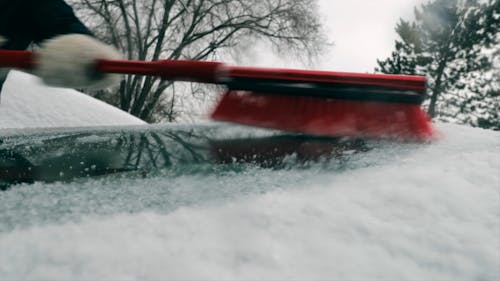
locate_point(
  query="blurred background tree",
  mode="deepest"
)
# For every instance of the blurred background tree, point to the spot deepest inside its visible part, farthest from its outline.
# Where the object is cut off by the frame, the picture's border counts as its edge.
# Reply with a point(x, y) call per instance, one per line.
point(455, 43)
point(192, 29)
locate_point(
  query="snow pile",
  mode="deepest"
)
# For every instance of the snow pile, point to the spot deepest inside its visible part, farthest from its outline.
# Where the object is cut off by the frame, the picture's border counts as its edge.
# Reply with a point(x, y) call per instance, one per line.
point(27, 103)
point(400, 212)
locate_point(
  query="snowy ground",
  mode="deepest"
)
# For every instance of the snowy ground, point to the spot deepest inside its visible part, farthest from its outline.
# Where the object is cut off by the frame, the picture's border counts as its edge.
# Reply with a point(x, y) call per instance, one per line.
point(396, 212)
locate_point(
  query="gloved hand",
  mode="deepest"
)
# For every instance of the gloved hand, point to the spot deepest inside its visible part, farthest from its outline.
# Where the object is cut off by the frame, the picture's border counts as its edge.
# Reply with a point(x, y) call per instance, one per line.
point(68, 61)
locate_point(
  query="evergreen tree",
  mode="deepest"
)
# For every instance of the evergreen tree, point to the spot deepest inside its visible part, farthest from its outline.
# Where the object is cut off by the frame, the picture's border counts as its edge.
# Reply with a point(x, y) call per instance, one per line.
point(454, 43)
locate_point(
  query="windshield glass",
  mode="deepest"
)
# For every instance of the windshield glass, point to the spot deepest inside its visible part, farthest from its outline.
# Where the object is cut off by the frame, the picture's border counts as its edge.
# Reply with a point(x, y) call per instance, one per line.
point(63, 175)
point(66, 154)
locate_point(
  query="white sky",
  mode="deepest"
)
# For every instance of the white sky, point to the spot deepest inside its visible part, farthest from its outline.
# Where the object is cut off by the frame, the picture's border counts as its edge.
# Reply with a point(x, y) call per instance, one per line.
point(362, 31)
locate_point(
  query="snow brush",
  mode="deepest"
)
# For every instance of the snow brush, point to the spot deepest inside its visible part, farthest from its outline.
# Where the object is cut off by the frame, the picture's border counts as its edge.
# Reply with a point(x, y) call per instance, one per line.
point(320, 103)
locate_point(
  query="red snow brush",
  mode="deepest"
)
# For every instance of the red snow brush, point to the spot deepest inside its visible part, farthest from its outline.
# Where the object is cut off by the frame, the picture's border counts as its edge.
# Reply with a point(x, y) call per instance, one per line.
point(315, 102)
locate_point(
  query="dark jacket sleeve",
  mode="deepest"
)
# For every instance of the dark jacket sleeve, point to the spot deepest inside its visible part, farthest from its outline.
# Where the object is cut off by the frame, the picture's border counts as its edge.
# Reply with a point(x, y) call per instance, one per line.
point(54, 17)
point(24, 22)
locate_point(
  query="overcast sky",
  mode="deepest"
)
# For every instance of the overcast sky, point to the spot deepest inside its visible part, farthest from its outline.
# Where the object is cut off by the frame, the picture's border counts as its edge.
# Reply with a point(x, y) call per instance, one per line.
point(362, 31)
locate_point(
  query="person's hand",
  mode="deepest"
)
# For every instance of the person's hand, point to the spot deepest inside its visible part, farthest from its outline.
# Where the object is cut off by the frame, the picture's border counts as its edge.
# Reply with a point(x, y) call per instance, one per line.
point(69, 61)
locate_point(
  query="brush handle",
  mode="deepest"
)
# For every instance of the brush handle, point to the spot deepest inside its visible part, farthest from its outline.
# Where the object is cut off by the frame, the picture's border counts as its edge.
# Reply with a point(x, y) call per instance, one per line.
point(17, 59)
point(245, 78)
point(180, 70)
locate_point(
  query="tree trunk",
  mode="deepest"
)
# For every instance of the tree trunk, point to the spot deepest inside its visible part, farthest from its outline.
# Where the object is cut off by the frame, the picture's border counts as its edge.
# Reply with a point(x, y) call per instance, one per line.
point(432, 105)
point(436, 91)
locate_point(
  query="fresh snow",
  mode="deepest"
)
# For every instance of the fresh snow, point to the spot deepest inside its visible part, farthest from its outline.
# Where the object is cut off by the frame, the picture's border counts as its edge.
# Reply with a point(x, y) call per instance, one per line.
point(26, 102)
point(401, 211)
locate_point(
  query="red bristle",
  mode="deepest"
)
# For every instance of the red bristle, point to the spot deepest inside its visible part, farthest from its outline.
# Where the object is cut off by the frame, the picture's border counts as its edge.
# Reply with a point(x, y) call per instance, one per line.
point(325, 117)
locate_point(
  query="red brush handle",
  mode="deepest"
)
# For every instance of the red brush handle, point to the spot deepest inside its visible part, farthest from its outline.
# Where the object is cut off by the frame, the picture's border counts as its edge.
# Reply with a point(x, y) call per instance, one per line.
point(216, 72)
point(181, 70)
point(17, 59)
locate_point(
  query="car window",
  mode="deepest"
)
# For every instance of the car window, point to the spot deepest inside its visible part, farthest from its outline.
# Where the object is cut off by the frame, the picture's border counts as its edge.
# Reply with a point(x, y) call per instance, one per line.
point(62, 155)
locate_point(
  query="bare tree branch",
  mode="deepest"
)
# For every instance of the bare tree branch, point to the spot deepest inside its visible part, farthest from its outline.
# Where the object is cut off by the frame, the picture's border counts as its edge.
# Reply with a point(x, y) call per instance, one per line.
point(194, 29)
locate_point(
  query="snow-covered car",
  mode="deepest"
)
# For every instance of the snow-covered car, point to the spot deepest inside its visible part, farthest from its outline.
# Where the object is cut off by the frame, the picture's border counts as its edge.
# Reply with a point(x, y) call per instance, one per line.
point(159, 201)
point(214, 201)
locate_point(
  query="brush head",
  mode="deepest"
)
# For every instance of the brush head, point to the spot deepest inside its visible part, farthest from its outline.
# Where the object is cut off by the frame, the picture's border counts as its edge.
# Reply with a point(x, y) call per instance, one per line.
point(326, 103)
point(325, 116)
